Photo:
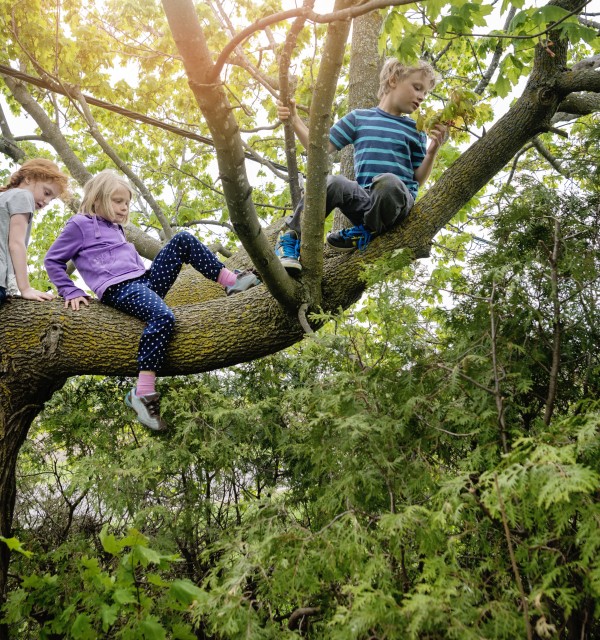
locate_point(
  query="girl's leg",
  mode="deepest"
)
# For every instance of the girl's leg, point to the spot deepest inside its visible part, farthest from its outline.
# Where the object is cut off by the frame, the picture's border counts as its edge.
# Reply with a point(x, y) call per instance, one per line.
point(181, 249)
point(135, 298)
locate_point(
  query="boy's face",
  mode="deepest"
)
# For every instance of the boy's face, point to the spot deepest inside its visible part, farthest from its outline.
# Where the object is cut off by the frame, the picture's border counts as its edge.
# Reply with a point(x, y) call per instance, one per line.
point(406, 95)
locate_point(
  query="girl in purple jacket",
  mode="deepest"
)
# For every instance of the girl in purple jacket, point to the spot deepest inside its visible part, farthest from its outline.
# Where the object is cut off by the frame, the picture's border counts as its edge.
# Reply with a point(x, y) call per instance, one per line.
point(112, 268)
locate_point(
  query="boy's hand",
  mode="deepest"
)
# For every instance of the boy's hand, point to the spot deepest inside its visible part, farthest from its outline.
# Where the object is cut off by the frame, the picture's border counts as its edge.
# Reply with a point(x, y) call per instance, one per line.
point(33, 294)
point(75, 302)
point(283, 112)
point(438, 135)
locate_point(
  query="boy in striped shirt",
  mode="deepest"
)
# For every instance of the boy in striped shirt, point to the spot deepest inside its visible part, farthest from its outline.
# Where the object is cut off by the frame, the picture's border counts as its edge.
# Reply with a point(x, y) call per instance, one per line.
point(391, 161)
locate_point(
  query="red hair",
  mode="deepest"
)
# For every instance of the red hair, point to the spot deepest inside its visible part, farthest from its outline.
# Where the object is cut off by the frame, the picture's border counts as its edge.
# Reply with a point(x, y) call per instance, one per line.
point(38, 169)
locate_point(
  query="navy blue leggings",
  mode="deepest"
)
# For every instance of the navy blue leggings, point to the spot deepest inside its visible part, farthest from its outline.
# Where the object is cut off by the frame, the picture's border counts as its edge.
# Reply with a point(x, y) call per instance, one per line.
point(2, 294)
point(143, 297)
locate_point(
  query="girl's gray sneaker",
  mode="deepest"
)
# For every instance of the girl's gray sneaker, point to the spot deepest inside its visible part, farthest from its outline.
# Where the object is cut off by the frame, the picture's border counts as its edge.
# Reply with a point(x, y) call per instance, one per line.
point(147, 409)
point(245, 280)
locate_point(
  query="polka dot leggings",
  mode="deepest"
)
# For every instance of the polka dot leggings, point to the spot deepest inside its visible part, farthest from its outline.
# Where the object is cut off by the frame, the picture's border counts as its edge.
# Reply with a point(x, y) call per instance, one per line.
point(143, 297)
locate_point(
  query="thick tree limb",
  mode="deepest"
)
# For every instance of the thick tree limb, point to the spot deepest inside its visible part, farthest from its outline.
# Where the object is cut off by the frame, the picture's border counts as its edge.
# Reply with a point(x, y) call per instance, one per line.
point(213, 103)
point(313, 220)
point(585, 79)
point(575, 105)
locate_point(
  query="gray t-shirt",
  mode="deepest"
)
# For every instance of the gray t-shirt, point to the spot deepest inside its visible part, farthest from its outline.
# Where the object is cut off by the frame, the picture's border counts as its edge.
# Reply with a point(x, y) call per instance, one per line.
point(13, 201)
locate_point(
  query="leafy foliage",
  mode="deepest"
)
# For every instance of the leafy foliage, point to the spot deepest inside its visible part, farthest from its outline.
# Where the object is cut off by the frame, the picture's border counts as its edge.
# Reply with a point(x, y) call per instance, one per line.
point(367, 477)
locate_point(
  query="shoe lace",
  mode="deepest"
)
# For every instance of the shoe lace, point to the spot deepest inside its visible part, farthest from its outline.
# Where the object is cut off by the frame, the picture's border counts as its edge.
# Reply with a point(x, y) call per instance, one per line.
point(288, 243)
point(153, 407)
point(362, 235)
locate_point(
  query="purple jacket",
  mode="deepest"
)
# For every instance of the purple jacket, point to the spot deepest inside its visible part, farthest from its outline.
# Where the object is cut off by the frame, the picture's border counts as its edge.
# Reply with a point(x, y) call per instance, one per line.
point(100, 252)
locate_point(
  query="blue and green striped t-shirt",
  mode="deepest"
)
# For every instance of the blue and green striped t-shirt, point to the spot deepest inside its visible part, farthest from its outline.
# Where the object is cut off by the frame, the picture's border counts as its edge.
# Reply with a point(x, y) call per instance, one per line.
point(383, 143)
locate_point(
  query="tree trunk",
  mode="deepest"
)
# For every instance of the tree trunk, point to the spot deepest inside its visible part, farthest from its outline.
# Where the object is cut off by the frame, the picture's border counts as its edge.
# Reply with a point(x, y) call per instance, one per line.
point(23, 391)
point(365, 66)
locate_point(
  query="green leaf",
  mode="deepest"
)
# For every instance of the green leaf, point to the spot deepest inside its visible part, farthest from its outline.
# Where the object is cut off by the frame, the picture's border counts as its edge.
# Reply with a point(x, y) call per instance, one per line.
point(151, 629)
point(124, 596)
point(82, 628)
point(110, 543)
point(186, 592)
point(109, 615)
point(15, 545)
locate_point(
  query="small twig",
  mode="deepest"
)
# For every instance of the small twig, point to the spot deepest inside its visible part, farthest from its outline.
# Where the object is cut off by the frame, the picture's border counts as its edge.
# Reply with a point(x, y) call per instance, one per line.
point(497, 390)
point(298, 616)
point(303, 320)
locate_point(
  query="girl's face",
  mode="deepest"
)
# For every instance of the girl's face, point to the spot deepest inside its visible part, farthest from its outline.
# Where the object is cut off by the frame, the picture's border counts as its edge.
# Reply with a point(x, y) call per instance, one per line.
point(119, 201)
point(44, 191)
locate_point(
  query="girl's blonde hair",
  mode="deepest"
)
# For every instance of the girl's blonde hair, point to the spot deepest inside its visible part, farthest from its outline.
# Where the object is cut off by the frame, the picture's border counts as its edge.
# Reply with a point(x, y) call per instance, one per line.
point(394, 69)
point(97, 194)
point(38, 169)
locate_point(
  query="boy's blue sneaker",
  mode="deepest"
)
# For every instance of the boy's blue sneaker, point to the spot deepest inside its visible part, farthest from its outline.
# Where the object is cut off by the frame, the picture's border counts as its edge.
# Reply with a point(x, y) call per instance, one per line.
point(147, 409)
point(350, 239)
point(245, 280)
point(287, 249)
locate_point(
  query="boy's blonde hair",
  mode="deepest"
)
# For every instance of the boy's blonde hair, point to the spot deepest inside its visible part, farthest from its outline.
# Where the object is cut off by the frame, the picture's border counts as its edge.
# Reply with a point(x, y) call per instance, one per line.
point(39, 169)
point(394, 69)
point(98, 191)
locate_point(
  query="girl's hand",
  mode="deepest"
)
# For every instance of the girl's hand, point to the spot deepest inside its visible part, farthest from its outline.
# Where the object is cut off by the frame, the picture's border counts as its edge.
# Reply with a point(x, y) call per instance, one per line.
point(75, 302)
point(33, 294)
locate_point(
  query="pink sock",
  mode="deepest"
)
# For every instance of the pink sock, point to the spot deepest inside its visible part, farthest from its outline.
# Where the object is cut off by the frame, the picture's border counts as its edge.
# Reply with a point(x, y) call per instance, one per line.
point(226, 278)
point(145, 383)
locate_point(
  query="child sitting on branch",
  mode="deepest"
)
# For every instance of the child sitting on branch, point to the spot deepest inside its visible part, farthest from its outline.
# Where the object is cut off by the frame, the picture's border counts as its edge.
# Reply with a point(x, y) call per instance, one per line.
point(391, 161)
point(112, 268)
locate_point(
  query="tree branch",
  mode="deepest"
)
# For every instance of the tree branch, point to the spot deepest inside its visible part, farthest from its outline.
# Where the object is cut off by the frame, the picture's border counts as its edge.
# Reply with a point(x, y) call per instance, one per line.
point(284, 96)
point(556, 326)
point(513, 561)
point(56, 87)
point(495, 61)
point(575, 105)
point(50, 131)
point(585, 79)
point(191, 43)
point(8, 143)
point(309, 16)
point(552, 160)
point(122, 166)
point(313, 219)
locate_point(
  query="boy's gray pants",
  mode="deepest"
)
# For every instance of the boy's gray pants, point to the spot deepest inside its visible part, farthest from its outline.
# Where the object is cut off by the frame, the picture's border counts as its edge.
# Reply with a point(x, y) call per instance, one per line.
point(383, 205)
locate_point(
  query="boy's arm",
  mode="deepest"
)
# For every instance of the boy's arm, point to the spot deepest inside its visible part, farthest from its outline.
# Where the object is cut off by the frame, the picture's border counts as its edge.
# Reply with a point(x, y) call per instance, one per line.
point(300, 128)
point(18, 255)
point(438, 135)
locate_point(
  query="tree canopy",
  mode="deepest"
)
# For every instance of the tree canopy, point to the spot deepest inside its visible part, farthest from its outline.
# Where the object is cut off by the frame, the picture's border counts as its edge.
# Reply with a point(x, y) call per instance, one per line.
point(426, 461)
